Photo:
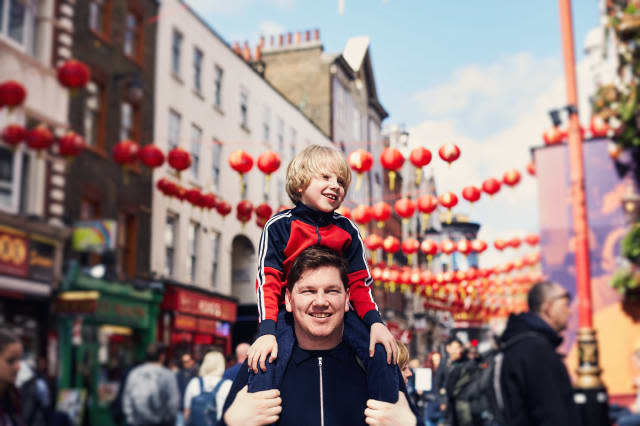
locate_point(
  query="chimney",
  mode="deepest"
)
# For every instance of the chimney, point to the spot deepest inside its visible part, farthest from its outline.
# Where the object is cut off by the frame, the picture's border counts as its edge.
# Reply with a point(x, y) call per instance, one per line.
point(281, 39)
point(289, 38)
point(262, 41)
point(316, 34)
point(307, 36)
point(246, 52)
point(258, 55)
point(237, 49)
point(271, 39)
point(298, 37)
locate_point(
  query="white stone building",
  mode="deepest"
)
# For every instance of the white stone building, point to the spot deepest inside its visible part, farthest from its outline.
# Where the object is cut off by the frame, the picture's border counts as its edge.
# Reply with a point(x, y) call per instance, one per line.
point(211, 102)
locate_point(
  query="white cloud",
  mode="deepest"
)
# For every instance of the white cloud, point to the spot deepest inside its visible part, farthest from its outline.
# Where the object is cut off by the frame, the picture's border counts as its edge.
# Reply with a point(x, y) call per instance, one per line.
point(213, 8)
point(495, 113)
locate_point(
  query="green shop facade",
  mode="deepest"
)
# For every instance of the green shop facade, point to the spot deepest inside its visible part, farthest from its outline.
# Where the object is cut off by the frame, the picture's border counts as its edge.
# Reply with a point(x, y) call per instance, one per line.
point(103, 330)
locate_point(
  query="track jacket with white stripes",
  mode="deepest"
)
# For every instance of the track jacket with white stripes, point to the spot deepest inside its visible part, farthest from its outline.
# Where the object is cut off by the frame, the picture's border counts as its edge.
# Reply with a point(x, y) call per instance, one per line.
point(285, 236)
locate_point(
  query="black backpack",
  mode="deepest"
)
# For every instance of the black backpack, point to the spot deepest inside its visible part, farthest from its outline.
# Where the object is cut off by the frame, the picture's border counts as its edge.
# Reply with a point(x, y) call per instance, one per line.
point(478, 399)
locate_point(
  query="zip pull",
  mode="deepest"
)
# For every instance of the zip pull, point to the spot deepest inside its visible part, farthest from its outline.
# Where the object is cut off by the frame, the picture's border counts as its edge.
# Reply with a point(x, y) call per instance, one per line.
point(318, 233)
point(321, 392)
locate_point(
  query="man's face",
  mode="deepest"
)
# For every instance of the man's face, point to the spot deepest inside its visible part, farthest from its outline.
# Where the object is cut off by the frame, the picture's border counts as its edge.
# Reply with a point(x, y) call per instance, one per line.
point(455, 350)
point(556, 308)
point(187, 361)
point(318, 302)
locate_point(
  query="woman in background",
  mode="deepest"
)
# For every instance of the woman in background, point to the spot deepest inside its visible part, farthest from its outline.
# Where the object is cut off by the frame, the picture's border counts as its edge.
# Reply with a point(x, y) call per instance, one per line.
point(10, 355)
point(210, 372)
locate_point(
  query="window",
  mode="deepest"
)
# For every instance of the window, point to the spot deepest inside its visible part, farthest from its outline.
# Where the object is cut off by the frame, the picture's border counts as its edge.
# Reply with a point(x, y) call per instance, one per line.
point(196, 141)
point(99, 14)
point(127, 243)
point(94, 115)
point(215, 250)
point(217, 95)
point(133, 36)
point(280, 135)
point(129, 117)
point(175, 121)
point(244, 109)
point(176, 48)
point(170, 243)
point(10, 163)
point(89, 208)
point(292, 143)
point(217, 153)
point(197, 70)
point(17, 22)
point(266, 125)
point(192, 246)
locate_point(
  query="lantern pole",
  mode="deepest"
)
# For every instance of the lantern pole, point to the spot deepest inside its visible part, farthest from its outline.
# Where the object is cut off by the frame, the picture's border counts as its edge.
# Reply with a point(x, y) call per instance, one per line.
point(588, 365)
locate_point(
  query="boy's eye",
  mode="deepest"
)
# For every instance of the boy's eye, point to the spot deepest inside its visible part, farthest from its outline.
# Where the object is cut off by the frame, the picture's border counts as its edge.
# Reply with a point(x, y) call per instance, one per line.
point(341, 182)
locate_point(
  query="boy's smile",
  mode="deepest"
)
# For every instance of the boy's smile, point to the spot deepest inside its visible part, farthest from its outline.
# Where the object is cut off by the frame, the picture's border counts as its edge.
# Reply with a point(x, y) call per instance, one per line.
point(324, 192)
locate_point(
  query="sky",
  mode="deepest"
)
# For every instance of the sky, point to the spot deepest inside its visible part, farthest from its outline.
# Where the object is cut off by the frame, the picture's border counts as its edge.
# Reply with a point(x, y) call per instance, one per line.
point(482, 75)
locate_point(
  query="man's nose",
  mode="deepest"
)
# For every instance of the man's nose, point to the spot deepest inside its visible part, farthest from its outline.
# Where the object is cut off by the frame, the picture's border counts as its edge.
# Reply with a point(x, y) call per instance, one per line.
point(321, 298)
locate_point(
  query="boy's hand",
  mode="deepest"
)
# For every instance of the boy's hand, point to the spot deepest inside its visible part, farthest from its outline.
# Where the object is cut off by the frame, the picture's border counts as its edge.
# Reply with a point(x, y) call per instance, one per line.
point(261, 348)
point(380, 413)
point(381, 334)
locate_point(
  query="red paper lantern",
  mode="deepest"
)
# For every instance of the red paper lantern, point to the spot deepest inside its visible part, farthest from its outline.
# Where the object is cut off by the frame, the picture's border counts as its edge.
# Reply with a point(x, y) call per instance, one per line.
point(511, 178)
point(447, 246)
point(391, 159)
point(40, 138)
point(449, 152)
point(471, 194)
point(360, 161)
point(381, 212)
point(344, 211)
point(268, 162)
point(532, 239)
point(448, 200)
point(491, 186)
point(552, 136)
point(427, 204)
point(151, 156)
point(261, 221)
point(373, 242)
point(13, 134)
point(240, 161)
point(391, 244)
point(429, 247)
point(464, 247)
point(181, 192)
point(514, 242)
point(223, 208)
point(73, 74)
point(164, 186)
point(208, 201)
point(478, 246)
point(410, 246)
point(179, 159)
point(419, 157)
point(531, 168)
point(264, 211)
point(405, 208)
point(500, 244)
point(70, 145)
point(427, 277)
point(599, 127)
point(125, 152)
point(12, 94)
point(362, 214)
point(194, 197)
point(244, 210)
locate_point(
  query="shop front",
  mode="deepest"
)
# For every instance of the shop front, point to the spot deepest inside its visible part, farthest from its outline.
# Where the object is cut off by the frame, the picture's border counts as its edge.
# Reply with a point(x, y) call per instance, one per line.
point(30, 264)
point(195, 321)
point(104, 328)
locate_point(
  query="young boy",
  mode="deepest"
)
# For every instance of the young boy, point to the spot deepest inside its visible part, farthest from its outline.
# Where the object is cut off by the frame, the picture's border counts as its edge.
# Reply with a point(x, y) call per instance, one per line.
point(317, 181)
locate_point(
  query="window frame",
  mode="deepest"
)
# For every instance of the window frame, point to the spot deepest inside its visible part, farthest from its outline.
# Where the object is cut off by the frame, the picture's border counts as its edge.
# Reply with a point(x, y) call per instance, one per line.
point(134, 131)
point(176, 52)
point(100, 132)
point(174, 113)
point(198, 61)
point(217, 85)
point(169, 267)
point(103, 33)
point(215, 257)
point(138, 36)
point(27, 44)
point(15, 184)
point(244, 108)
point(192, 250)
point(127, 244)
point(195, 148)
point(216, 154)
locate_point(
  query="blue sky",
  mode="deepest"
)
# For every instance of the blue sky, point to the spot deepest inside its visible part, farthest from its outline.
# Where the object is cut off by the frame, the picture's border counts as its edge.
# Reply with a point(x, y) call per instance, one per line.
point(480, 74)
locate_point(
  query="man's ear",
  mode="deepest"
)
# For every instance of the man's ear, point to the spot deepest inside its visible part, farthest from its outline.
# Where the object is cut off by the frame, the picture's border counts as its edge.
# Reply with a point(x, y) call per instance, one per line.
point(287, 301)
point(346, 302)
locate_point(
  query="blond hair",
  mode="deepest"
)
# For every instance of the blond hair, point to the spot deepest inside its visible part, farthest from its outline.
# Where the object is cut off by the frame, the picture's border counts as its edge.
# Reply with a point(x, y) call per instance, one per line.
point(403, 354)
point(212, 365)
point(311, 162)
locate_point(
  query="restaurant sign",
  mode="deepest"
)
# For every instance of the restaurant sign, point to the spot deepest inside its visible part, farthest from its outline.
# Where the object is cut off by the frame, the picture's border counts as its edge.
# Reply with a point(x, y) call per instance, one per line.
point(26, 256)
point(193, 303)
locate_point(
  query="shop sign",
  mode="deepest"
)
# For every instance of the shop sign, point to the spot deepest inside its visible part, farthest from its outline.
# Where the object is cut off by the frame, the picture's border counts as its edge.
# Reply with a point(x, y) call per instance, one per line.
point(123, 312)
point(206, 326)
point(13, 252)
point(94, 236)
point(206, 306)
point(185, 322)
point(41, 260)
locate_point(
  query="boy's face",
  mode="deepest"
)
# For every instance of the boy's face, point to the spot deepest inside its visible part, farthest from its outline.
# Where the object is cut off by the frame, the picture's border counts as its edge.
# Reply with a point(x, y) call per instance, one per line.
point(324, 192)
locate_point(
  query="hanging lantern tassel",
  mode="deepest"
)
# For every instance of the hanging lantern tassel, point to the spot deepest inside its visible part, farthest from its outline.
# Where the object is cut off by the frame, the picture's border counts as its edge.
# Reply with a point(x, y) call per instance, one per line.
point(425, 221)
point(380, 224)
point(363, 230)
point(449, 217)
point(428, 291)
point(125, 173)
point(429, 259)
point(359, 181)
point(392, 286)
point(418, 176)
point(392, 179)
point(386, 287)
point(405, 288)
point(405, 221)
point(243, 187)
point(389, 259)
point(410, 259)
point(373, 257)
point(267, 179)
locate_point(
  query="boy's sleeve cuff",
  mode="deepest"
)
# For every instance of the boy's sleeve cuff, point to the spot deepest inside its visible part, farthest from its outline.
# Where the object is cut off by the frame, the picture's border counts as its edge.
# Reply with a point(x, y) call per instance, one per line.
point(267, 327)
point(372, 317)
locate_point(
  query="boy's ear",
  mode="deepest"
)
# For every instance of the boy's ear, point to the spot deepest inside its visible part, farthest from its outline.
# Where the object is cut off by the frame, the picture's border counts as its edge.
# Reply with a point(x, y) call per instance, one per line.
point(287, 301)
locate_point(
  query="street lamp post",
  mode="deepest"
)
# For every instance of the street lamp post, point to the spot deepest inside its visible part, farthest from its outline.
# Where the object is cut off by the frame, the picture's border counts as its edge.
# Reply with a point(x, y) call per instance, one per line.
point(588, 367)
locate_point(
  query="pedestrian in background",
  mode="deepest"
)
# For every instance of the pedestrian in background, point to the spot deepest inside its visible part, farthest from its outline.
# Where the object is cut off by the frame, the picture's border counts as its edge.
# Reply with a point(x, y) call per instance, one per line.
point(210, 375)
point(241, 354)
point(534, 380)
point(188, 370)
point(10, 355)
point(151, 393)
point(434, 415)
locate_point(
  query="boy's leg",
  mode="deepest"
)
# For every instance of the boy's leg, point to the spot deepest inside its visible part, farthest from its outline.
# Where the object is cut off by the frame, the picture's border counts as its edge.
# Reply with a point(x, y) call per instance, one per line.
point(382, 378)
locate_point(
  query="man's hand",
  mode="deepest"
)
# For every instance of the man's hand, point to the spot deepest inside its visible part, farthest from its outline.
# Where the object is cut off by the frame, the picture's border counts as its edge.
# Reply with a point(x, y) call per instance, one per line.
point(380, 413)
point(254, 409)
point(381, 334)
point(260, 350)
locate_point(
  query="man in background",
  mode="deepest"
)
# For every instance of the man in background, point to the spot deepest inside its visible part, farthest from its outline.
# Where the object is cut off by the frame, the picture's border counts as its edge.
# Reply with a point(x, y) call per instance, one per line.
point(241, 354)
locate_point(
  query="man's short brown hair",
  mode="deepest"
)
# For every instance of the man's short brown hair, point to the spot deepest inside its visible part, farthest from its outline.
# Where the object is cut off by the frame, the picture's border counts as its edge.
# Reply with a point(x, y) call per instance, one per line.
point(315, 257)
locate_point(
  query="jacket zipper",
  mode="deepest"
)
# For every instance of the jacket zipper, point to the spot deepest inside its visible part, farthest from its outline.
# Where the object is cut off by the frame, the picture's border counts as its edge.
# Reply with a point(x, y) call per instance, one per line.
point(318, 233)
point(321, 393)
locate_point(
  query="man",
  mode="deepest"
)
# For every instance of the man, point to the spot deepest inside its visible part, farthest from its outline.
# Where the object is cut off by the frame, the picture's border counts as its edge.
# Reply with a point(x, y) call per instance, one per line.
point(188, 370)
point(241, 354)
point(319, 380)
point(534, 380)
point(151, 392)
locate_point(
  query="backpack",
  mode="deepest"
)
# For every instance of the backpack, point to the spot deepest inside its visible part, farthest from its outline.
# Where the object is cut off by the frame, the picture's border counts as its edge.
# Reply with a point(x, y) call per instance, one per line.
point(478, 397)
point(34, 410)
point(204, 410)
